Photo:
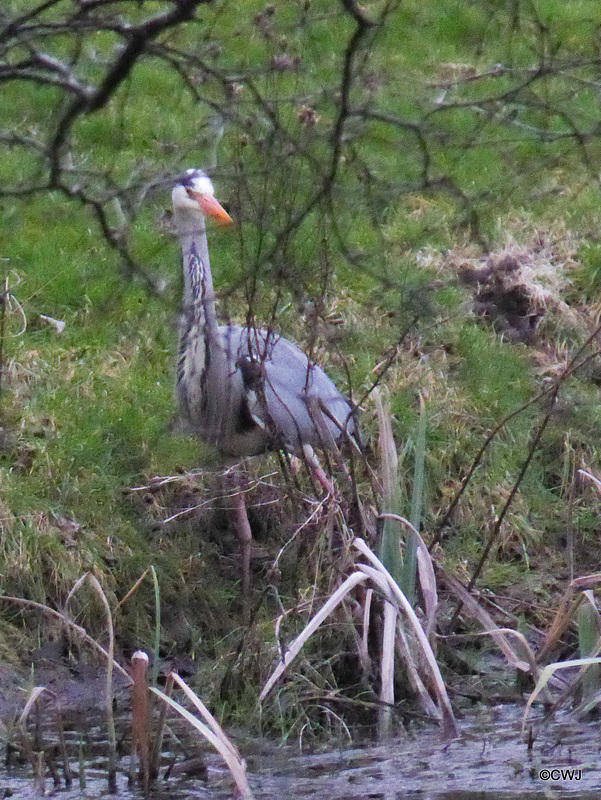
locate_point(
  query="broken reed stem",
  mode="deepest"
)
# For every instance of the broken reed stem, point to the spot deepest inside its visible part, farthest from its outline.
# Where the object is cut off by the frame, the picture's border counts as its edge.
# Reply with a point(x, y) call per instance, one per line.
point(63, 745)
point(566, 610)
point(387, 670)
point(37, 760)
point(141, 716)
point(39, 768)
point(32, 756)
point(109, 655)
point(381, 577)
point(110, 719)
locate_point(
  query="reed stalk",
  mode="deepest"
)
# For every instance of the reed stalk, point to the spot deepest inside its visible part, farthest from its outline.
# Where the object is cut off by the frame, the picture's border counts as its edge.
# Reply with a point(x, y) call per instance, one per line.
point(390, 545)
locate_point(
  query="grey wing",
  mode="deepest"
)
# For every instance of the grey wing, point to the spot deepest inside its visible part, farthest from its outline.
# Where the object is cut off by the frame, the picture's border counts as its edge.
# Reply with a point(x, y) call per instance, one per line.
point(294, 391)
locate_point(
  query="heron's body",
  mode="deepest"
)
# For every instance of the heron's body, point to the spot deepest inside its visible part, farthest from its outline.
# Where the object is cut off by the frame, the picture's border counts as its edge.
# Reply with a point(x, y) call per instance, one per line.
point(242, 390)
point(273, 407)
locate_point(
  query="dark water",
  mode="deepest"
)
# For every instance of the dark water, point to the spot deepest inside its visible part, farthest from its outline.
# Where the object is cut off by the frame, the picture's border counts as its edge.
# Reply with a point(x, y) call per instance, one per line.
point(488, 761)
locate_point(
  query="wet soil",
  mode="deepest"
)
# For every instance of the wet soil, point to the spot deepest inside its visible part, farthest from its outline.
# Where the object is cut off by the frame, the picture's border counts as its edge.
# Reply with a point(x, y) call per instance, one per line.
point(78, 686)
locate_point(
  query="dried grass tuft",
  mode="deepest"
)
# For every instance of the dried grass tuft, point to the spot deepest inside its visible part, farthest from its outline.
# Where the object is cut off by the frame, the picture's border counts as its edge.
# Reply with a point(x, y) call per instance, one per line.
point(518, 285)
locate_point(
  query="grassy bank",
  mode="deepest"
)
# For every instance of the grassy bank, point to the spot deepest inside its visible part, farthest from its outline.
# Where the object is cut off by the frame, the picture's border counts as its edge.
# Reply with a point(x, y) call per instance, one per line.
point(457, 243)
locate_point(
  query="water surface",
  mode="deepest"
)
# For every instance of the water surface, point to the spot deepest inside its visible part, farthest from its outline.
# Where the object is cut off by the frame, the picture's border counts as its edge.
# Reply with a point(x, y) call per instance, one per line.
point(489, 761)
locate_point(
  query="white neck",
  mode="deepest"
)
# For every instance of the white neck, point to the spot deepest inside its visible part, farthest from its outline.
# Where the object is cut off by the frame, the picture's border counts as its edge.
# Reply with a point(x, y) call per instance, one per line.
point(189, 220)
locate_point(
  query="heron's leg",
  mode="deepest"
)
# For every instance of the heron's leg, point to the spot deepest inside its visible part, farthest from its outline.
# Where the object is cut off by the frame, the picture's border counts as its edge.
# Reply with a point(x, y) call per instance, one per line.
point(241, 527)
point(317, 470)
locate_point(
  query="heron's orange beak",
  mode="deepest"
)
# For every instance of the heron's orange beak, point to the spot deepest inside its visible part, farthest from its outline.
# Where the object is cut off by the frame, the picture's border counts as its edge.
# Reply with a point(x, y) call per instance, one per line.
point(211, 207)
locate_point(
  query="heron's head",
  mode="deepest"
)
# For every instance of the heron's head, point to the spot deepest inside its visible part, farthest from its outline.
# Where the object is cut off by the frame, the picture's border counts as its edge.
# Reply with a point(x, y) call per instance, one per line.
point(195, 195)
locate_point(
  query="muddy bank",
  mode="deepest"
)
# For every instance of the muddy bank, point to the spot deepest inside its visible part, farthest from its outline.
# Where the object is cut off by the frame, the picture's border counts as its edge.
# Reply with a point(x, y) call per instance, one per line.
point(78, 687)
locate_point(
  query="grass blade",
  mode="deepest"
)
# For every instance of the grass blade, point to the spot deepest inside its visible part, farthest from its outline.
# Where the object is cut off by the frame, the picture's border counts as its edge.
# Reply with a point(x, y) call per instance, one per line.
point(409, 570)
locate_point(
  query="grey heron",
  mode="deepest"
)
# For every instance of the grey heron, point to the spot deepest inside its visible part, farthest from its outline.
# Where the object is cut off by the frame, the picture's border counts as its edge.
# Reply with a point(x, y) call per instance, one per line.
point(240, 389)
